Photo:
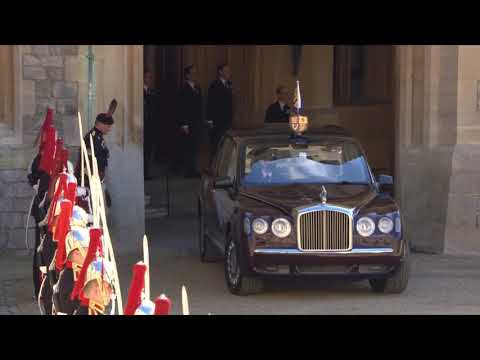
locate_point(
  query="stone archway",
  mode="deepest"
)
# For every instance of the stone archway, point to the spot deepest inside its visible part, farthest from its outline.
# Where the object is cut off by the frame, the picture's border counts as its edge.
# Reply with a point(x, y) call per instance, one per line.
point(437, 146)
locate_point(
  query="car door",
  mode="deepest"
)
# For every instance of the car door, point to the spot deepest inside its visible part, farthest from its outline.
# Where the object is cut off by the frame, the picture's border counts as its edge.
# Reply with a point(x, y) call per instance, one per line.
point(216, 198)
point(210, 206)
point(224, 198)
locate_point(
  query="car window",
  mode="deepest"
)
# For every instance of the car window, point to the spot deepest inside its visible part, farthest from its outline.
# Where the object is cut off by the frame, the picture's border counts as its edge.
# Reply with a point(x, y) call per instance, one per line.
point(322, 161)
point(224, 158)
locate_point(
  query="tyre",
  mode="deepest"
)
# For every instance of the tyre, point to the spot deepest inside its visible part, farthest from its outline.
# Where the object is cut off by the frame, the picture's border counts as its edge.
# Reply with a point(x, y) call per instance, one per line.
point(395, 283)
point(205, 249)
point(235, 275)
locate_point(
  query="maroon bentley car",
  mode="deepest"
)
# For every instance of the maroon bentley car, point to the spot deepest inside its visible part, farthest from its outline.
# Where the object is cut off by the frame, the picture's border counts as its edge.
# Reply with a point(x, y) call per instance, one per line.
point(275, 203)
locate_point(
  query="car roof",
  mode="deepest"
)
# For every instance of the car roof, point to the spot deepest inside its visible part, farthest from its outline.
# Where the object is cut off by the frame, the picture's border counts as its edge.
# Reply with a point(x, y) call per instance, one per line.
point(275, 131)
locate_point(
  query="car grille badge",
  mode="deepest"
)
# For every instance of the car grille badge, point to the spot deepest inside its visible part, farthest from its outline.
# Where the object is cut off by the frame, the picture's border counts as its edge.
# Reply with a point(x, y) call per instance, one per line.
point(323, 195)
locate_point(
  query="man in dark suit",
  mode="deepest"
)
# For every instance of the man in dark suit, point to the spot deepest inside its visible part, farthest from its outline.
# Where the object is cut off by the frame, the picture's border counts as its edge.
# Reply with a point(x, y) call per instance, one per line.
point(279, 112)
point(220, 105)
point(150, 120)
point(190, 110)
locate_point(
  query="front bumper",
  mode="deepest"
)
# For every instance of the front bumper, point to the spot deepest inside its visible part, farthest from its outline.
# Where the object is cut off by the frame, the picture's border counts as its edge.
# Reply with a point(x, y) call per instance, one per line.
point(357, 262)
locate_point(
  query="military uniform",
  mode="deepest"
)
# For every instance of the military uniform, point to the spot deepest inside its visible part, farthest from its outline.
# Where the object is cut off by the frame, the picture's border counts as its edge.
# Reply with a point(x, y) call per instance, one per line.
point(101, 272)
point(100, 148)
point(78, 238)
point(101, 153)
point(39, 177)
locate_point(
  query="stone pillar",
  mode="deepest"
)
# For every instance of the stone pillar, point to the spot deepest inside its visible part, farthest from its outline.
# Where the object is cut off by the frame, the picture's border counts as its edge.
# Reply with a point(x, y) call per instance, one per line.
point(426, 117)
point(120, 76)
point(463, 220)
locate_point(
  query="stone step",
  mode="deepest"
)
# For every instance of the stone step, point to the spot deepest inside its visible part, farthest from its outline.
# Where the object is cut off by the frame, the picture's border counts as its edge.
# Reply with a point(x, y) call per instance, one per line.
point(153, 213)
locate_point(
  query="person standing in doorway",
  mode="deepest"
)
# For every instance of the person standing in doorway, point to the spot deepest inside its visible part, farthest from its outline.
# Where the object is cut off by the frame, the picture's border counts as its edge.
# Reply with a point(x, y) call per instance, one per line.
point(190, 110)
point(279, 111)
point(150, 121)
point(220, 105)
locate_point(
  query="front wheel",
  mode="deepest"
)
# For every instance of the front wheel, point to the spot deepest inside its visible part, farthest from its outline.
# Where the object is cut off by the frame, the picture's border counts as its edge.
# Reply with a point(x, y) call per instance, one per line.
point(395, 283)
point(238, 283)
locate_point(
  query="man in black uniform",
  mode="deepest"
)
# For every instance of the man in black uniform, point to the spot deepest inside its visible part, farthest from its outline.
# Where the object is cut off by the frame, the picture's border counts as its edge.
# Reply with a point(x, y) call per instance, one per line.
point(150, 121)
point(190, 109)
point(220, 105)
point(103, 125)
point(279, 112)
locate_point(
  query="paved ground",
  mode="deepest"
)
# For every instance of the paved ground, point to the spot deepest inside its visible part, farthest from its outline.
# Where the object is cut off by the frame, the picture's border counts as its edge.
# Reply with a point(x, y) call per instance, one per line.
point(439, 284)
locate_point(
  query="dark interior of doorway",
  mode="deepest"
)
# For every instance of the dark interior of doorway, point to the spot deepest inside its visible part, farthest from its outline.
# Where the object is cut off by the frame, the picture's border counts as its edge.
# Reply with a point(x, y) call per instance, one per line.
point(165, 62)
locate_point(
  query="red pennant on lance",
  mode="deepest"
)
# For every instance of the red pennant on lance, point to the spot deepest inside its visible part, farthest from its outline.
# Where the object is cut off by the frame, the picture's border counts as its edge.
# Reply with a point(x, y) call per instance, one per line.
point(94, 245)
point(71, 193)
point(61, 187)
point(63, 227)
point(136, 288)
point(47, 123)
point(163, 305)
point(57, 167)
point(47, 154)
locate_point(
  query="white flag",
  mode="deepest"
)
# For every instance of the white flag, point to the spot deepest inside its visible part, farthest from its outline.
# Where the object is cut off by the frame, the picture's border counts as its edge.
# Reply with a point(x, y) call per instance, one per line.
point(297, 100)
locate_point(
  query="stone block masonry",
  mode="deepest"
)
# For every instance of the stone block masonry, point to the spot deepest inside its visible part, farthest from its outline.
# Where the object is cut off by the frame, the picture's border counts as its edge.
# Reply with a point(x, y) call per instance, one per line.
point(44, 84)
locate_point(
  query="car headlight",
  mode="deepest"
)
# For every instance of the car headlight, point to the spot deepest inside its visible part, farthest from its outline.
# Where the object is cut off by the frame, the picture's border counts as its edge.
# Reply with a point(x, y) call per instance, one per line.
point(365, 226)
point(385, 225)
point(260, 226)
point(281, 228)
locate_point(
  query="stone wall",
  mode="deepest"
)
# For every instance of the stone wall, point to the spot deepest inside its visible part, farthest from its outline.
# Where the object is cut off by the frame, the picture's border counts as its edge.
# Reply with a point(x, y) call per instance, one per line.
point(42, 84)
point(57, 76)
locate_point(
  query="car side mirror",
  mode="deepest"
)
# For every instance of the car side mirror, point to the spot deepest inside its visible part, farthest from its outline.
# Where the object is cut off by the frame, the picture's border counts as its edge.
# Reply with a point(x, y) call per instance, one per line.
point(207, 171)
point(223, 182)
point(385, 183)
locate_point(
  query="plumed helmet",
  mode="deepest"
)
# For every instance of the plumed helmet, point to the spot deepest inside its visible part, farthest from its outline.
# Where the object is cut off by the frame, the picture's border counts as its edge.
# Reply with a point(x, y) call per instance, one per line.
point(71, 178)
point(107, 118)
point(78, 238)
point(80, 217)
point(100, 269)
point(163, 305)
point(147, 307)
point(70, 167)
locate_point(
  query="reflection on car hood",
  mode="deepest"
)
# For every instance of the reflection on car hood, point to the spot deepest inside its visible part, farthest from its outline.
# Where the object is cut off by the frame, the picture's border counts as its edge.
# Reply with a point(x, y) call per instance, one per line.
point(289, 197)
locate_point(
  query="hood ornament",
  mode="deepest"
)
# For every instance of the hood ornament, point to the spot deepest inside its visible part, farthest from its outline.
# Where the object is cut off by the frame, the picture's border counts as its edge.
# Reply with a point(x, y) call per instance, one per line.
point(323, 195)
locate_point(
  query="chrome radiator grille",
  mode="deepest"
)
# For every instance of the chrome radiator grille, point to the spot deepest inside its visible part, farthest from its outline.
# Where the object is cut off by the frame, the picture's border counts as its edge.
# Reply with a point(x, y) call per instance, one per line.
point(324, 231)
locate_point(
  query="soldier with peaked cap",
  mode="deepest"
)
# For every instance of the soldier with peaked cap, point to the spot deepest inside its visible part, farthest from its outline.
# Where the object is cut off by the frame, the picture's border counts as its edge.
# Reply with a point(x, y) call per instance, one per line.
point(103, 125)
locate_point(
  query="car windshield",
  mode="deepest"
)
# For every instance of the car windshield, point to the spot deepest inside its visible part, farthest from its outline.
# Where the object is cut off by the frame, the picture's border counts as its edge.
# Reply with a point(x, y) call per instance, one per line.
point(323, 161)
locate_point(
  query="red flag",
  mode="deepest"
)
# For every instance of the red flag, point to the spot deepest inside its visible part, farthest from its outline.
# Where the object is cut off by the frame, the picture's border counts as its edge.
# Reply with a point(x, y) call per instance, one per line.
point(63, 227)
point(93, 246)
point(162, 305)
point(136, 287)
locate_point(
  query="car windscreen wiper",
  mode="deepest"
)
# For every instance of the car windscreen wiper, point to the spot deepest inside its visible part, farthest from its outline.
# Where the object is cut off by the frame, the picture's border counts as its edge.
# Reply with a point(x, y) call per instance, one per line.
point(348, 183)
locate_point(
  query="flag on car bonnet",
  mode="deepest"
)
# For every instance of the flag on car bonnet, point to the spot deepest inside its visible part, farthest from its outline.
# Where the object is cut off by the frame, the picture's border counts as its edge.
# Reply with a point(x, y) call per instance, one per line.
point(297, 100)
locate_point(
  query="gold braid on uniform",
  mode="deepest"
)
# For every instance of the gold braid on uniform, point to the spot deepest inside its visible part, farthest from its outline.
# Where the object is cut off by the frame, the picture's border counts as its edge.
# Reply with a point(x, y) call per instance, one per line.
point(95, 308)
point(77, 268)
